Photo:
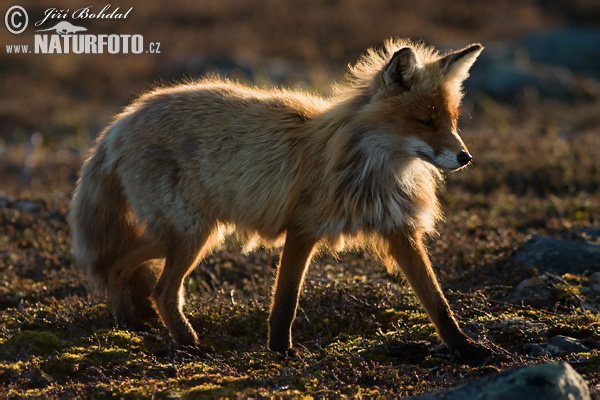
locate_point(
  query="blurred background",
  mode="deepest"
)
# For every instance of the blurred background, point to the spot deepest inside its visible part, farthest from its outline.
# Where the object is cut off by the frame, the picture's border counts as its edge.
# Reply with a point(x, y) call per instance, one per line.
point(542, 57)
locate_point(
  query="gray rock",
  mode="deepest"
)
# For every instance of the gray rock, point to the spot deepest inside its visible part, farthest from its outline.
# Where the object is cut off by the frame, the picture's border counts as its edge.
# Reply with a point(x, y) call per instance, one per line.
point(568, 344)
point(5, 202)
point(535, 291)
point(552, 254)
point(28, 206)
point(537, 350)
point(554, 381)
point(574, 48)
point(561, 64)
point(557, 346)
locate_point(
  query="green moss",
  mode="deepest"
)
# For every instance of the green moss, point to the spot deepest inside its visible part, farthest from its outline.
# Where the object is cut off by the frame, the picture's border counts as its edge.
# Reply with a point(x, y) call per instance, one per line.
point(588, 363)
point(30, 343)
point(63, 365)
point(530, 314)
point(573, 279)
point(567, 293)
point(584, 323)
point(120, 338)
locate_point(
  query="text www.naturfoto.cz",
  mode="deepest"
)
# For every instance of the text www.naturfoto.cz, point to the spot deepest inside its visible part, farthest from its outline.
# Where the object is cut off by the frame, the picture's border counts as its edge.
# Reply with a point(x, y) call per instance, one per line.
point(85, 44)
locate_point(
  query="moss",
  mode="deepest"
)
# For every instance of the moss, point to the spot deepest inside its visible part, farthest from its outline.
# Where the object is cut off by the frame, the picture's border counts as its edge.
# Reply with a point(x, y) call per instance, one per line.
point(582, 324)
point(29, 343)
point(120, 338)
point(568, 294)
point(572, 278)
point(588, 364)
point(530, 314)
point(208, 391)
point(64, 365)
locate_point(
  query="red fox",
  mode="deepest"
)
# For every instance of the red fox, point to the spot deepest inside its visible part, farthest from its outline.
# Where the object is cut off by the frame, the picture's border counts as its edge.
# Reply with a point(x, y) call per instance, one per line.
point(182, 166)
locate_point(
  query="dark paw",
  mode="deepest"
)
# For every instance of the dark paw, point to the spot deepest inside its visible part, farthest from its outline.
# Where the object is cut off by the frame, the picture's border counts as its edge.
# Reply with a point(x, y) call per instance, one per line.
point(185, 338)
point(473, 353)
point(130, 321)
point(288, 353)
point(126, 319)
point(293, 353)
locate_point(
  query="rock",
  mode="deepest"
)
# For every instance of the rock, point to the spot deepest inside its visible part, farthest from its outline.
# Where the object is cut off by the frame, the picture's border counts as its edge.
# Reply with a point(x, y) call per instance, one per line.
point(554, 381)
point(535, 291)
point(514, 324)
point(561, 64)
point(5, 202)
point(574, 48)
point(552, 254)
point(594, 287)
point(29, 206)
point(568, 344)
point(537, 350)
point(557, 346)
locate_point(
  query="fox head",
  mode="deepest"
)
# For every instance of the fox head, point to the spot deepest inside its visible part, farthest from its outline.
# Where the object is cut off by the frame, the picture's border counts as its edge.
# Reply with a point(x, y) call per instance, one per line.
point(415, 94)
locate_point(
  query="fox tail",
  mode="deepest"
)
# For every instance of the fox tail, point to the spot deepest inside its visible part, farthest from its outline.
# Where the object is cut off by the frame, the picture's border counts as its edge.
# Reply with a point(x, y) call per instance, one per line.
point(101, 220)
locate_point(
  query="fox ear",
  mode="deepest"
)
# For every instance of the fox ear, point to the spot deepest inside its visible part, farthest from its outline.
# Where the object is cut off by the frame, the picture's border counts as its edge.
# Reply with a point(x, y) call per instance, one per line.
point(456, 65)
point(398, 72)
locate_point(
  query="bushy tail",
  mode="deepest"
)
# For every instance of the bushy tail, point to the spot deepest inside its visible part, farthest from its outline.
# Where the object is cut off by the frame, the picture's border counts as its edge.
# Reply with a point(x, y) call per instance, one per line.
point(101, 222)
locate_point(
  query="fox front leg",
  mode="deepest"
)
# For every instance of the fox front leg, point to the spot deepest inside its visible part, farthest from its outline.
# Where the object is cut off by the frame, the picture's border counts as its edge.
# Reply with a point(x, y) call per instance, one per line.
point(411, 256)
point(296, 255)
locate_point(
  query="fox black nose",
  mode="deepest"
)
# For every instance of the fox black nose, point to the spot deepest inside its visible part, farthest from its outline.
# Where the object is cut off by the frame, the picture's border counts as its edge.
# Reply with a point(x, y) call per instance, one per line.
point(464, 158)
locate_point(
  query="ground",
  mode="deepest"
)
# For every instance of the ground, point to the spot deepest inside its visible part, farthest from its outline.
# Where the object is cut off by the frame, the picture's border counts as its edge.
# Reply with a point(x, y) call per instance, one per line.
point(359, 331)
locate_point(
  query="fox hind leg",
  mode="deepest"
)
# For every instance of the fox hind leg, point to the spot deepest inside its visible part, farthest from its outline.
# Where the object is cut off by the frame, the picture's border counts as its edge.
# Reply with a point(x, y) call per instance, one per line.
point(131, 278)
point(182, 256)
point(141, 286)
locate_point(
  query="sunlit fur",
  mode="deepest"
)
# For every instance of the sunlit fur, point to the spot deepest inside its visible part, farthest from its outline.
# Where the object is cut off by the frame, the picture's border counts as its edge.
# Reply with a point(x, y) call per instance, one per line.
point(182, 166)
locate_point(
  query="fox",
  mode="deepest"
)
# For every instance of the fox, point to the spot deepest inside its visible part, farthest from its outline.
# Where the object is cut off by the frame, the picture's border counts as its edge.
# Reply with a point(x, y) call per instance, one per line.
point(184, 166)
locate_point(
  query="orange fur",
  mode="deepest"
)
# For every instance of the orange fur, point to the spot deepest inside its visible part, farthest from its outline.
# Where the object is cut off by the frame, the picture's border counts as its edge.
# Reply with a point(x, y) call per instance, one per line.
point(184, 165)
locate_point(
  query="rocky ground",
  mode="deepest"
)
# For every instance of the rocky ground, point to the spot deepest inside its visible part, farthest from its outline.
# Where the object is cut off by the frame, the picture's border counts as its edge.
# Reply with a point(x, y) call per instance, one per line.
point(517, 256)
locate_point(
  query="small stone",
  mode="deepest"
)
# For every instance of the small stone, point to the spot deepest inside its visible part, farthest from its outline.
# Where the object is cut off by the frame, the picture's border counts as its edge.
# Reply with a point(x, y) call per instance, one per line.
point(28, 205)
point(568, 344)
point(5, 202)
point(537, 350)
point(534, 291)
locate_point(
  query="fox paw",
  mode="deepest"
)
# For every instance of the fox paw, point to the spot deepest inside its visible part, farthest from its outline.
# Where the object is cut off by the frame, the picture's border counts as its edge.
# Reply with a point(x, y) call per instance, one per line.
point(473, 353)
point(290, 352)
point(185, 337)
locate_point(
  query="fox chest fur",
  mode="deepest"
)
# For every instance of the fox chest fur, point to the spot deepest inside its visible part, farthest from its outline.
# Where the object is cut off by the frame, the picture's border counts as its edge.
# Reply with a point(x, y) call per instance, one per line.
point(365, 187)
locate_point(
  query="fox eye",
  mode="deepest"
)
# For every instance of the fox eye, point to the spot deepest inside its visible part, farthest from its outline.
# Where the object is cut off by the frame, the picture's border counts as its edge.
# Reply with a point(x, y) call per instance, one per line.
point(425, 122)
